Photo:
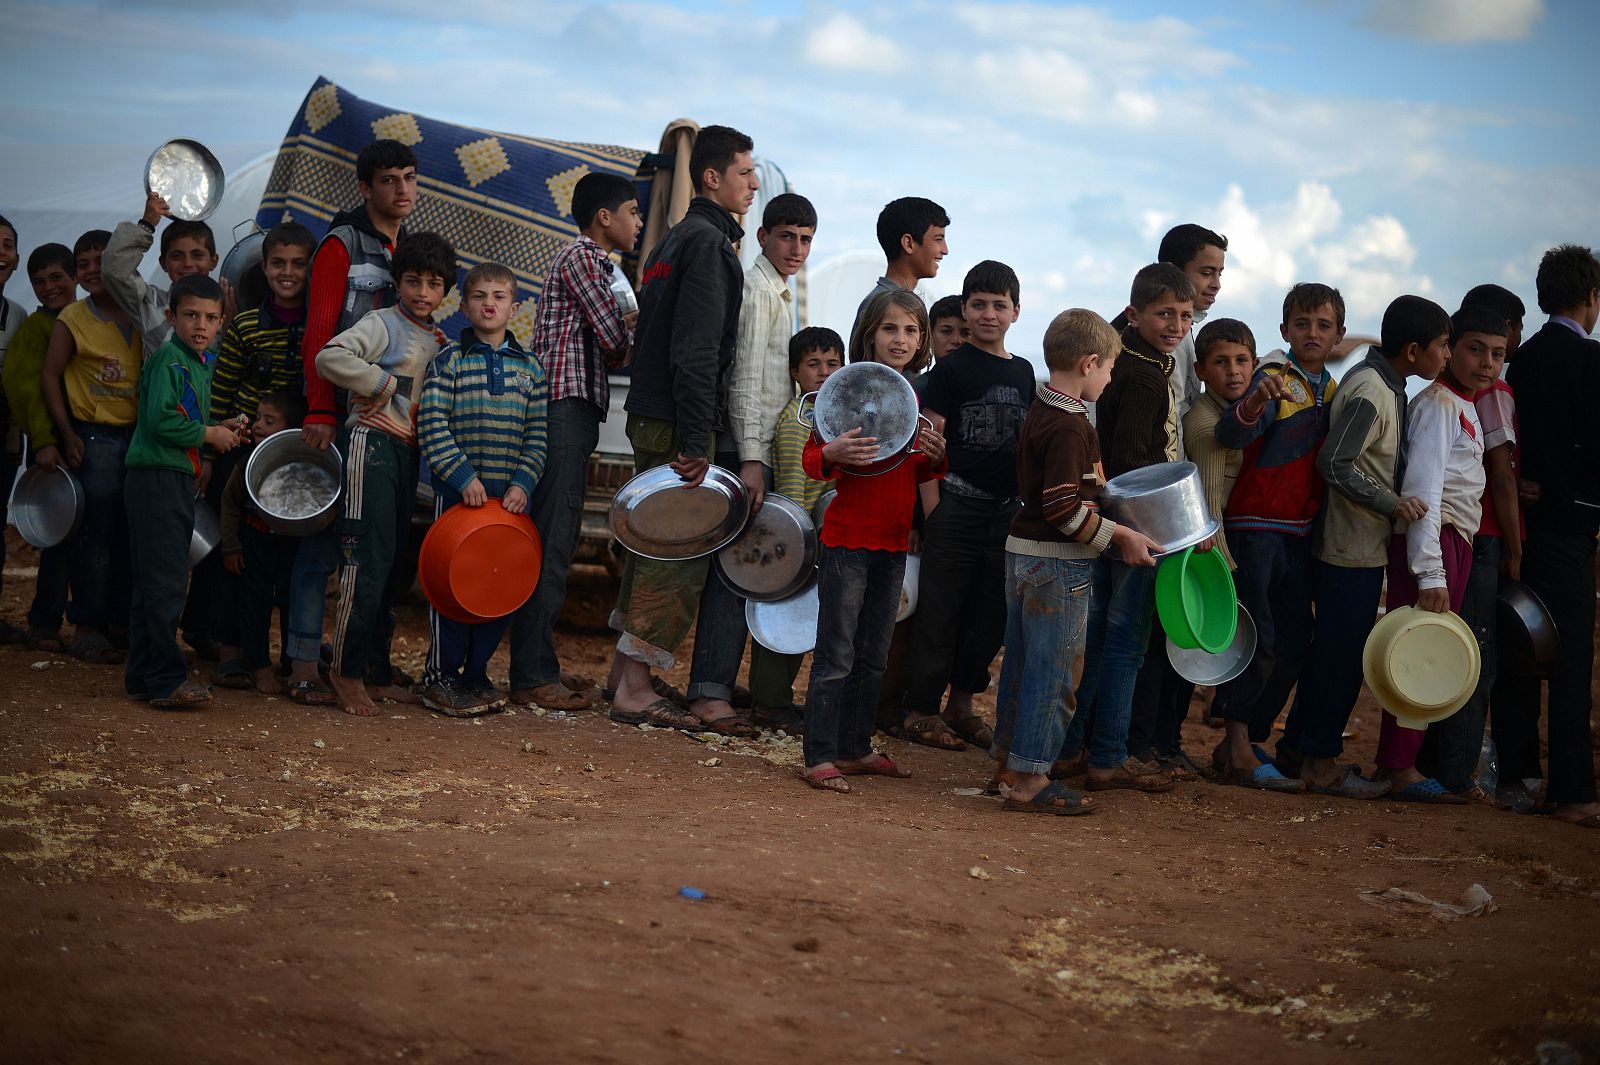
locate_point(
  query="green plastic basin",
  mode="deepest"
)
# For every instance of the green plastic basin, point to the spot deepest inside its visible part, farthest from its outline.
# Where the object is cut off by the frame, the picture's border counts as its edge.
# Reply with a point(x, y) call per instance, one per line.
point(1196, 600)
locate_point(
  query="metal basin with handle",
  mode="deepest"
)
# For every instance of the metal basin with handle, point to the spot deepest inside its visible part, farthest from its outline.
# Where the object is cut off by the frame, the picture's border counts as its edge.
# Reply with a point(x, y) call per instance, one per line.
point(47, 505)
point(1166, 502)
point(294, 486)
point(877, 400)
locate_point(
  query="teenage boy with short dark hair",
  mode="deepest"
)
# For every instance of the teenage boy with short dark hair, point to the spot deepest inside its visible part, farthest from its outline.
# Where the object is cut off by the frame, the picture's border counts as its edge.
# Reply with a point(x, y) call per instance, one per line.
point(911, 234)
point(350, 277)
point(163, 470)
point(759, 387)
point(1138, 427)
point(1280, 426)
point(580, 334)
point(684, 346)
point(1556, 376)
point(90, 386)
point(1507, 304)
point(982, 393)
point(51, 272)
point(948, 327)
point(381, 362)
point(186, 248)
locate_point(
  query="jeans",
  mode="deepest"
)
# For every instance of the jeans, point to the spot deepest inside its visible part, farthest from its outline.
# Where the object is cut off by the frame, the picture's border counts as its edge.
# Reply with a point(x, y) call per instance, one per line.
point(160, 509)
point(719, 630)
point(1122, 602)
point(1274, 584)
point(1347, 603)
point(1559, 566)
point(858, 595)
point(1047, 611)
point(960, 621)
point(1451, 748)
point(315, 559)
point(557, 511)
point(268, 576)
point(98, 569)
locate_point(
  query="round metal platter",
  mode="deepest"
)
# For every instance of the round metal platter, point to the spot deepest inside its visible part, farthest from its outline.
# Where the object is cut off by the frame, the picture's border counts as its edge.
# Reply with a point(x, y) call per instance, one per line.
point(787, 626)
point(872, 397)
point(187, 176)
point(655, 516)
point(775, 554)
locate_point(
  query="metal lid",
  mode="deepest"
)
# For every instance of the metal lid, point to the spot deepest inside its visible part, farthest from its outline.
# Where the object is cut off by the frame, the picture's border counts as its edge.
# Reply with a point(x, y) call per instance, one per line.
point(774, 554)
point(787, 626)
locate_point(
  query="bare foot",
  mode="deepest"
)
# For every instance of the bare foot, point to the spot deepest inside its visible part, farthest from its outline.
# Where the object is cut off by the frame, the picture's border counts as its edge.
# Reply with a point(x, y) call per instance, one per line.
point(352, 695)
point(393, 693)
point(266, 681)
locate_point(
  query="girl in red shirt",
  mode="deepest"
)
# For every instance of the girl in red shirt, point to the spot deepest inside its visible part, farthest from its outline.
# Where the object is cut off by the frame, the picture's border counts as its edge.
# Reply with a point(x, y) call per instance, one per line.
point(865, 533)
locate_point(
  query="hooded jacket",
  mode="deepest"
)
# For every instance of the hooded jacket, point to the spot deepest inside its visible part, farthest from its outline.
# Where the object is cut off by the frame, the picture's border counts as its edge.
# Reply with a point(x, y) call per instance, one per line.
point(688, 326)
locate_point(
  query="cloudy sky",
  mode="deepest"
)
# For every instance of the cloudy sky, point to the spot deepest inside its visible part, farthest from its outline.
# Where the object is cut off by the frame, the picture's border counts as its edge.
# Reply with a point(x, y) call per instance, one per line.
point(1421, 146)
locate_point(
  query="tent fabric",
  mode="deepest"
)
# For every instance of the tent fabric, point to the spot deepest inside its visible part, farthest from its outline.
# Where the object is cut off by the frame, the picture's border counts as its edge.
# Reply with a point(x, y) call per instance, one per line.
point(497, 197)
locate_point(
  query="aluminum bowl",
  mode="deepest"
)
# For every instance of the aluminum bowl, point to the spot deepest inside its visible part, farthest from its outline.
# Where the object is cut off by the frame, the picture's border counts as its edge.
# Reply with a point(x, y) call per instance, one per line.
point(656, 516)
point(1200, 667)
point(788, 626)
point(187, 176)
point(1166, 502)
point(282, 451)
point(1526, 636)
point(47, 506)
point(207, 534)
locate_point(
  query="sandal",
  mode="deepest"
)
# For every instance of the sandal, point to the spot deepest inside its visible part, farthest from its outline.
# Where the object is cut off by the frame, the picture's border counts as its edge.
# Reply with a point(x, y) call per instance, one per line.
point(667, 691)
point(576, 682)
point(1067, 768)
point(43, 639)
point(930, 732)
point(1351, 786)
point(96, 649)
point(551, 697)
point(829, 779)
point(664, 713)
point(731, 725)
point(790, 719)
point(310, 693)
point(972, 728)
point(185, 696)
point(1430, 791)
point(879, 765)
point(232, 674)
point(1128, 777)
point(1263, 777)
point(1056, 798)
point(1590, 821)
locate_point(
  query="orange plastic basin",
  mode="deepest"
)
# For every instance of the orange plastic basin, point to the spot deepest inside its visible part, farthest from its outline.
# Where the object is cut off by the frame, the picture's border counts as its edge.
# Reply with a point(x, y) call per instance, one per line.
point(478, 563)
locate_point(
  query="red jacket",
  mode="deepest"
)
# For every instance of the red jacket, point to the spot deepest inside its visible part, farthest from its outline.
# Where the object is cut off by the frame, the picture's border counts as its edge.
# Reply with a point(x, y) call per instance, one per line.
point(870, 511)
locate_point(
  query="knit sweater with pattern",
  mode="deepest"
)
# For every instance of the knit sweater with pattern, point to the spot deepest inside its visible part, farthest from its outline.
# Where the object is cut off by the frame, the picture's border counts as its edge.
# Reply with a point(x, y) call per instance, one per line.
point(1059, 478)
point(381, 361)
point(483, 415)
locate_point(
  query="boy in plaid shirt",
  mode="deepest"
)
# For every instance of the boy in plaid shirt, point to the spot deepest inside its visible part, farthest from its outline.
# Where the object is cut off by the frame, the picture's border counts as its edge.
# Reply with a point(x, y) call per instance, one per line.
point(581, 333)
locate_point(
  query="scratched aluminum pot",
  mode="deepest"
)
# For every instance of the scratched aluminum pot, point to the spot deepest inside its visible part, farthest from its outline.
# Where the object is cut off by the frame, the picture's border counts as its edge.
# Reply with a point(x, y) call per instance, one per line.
point(47, 505)
point(876, 399)
point(186, 175)
point(1166, 502)
point(294, 486)
point(775, 554)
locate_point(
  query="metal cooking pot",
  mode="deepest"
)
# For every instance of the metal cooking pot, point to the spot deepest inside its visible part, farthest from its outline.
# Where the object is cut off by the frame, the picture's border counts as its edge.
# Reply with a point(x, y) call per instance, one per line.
point(876, 399)
point(207, 533)
point(241, 268)
point(294, 486)
point(1199, 667)
point(1529, 645)
point(47, 506)
point(1166, 502)
point(187, 176)
point(775, 554)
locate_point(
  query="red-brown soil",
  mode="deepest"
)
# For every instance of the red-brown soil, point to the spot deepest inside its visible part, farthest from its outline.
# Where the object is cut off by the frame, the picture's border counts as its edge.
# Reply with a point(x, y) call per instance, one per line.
point(261, 882)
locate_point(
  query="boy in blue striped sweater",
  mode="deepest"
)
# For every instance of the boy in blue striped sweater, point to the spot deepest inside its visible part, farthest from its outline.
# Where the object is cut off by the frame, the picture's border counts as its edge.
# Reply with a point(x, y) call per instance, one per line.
point(481, 426)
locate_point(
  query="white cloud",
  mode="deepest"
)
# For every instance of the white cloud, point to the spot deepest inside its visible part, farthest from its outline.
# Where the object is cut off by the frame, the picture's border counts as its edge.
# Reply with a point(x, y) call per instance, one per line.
point(1456, 21)
point(844, 43)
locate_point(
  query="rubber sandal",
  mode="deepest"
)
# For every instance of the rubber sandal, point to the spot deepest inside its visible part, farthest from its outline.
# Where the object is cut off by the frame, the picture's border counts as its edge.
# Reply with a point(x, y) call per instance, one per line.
point(732, 725)
point(1056, 798)
point(310, 693)
point(1430, 791)
point(972, 728)
point(881, 765)
point(232, 674)
point(185, 696)
point(1265, 777)
point(788, 719)
point(551, 697)
point(930, 732)
point(667, 691)
point(577, 682)
point(1352, 786)
point(823, 780)
point(664, 713)
point(1125, 779)
point(43, 639)
point(96, 649)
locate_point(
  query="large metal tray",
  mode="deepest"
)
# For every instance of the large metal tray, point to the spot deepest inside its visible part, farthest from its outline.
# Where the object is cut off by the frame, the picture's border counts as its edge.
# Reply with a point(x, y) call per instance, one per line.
point(775, 554)
point(655, 516)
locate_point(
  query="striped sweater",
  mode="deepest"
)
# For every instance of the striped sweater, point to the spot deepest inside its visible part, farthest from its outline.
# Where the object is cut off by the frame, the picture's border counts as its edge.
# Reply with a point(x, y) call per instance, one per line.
point(789, 438)
point(483, 415)
point(1059, 477)
point(259, 355)
point(381, 361)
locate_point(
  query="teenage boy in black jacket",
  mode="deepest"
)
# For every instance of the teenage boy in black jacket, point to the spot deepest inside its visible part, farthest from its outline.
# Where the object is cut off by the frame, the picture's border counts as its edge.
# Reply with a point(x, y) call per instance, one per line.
point(689, 297)
point(1556, 377)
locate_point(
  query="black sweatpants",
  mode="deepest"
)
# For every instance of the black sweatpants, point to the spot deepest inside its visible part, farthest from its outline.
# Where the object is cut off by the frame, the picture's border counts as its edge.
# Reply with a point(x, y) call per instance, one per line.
point(160, 506)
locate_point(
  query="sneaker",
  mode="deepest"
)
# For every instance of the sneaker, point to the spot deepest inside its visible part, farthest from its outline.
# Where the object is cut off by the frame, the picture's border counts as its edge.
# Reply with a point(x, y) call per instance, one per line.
point(1179, 765)
point(493, 698)
point(451, 698)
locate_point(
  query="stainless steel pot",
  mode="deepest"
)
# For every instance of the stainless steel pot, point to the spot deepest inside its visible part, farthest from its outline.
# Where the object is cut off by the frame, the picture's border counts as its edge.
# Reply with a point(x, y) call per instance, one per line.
point(207, 533)
point(1166, 502)
point(876, 399)
point(187, 176)
point(1198, 667)
point(294, 486)
point(787, 626)
point(241, 268)
point(47, 505)
point(1526, 637)
point(775, 554)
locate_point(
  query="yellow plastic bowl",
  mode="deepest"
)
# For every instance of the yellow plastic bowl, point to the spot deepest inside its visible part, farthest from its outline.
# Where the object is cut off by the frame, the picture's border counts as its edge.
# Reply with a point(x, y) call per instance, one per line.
point(1421, 666)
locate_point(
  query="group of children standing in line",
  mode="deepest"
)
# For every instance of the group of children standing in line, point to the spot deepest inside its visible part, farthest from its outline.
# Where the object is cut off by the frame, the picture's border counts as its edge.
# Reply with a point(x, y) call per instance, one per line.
point(1327, 490)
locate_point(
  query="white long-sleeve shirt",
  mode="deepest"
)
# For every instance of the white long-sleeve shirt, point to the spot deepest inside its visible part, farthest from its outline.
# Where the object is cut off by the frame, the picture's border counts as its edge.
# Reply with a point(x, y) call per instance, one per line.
point(1444, 469)
point(760, 386)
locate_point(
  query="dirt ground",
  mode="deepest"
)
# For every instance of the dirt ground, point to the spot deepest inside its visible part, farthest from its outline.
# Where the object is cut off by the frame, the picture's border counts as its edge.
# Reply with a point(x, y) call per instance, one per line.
point(261, 882)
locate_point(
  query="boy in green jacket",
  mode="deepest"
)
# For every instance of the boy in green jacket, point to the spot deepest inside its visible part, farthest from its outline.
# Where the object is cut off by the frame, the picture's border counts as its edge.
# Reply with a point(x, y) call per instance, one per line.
point(163, 475)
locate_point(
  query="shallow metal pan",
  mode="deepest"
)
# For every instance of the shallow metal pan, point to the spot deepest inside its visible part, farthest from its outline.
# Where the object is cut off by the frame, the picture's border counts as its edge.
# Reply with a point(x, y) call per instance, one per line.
point(787, 626)
point(775, 554)
point(187, 176)
point(655, 516)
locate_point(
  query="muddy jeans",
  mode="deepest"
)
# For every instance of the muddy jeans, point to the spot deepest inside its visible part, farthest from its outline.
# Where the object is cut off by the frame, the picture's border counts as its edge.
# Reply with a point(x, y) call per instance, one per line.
point(658, 601)
point(1047, 612)
point(858, 595)
point(1122, 602)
